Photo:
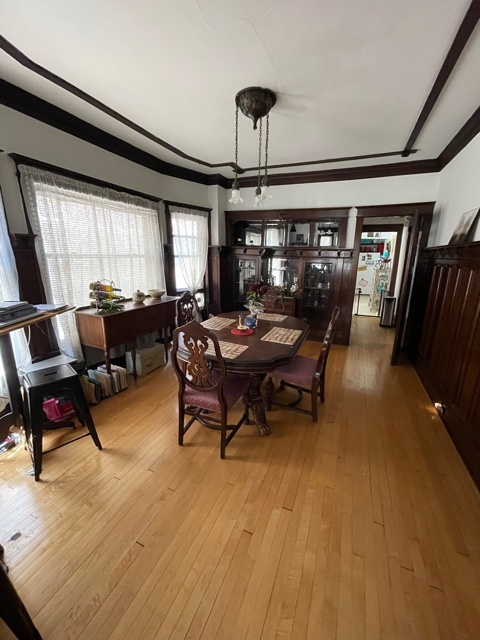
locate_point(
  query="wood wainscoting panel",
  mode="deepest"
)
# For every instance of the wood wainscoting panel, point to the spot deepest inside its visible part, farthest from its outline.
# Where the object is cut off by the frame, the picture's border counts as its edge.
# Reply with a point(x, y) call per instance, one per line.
point(449, 351)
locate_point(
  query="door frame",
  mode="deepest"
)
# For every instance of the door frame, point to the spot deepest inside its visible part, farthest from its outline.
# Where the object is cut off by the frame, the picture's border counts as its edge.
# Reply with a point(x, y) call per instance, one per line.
point(421, 215)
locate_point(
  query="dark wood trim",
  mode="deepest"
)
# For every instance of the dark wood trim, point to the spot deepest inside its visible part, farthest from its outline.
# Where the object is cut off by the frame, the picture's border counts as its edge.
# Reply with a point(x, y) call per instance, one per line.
point(369, 156)
point(351, 173)
point(170, 203)
point(22, 59)
point(448, 350)
point(287, 214)
point(28, 104)
point(169, 255)
point(67, 173)
point(466, 134)
point(463, 35)
point(392, 210)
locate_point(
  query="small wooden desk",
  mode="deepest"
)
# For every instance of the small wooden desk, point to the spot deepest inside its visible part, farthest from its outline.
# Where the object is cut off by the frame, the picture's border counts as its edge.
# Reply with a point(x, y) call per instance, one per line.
point(114, 328)
point(15, 417)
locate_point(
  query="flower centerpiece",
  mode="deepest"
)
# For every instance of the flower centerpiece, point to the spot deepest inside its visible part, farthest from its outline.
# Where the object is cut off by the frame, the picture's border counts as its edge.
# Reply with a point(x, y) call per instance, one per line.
point(254, 297)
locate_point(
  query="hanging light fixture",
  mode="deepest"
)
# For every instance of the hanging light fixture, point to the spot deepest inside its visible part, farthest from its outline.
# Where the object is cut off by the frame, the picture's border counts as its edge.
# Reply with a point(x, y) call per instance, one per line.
point(255, 103)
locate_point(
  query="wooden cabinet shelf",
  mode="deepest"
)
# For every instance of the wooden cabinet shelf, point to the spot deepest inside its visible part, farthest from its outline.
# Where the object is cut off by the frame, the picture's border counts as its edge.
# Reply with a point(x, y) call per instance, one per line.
point(314, 277)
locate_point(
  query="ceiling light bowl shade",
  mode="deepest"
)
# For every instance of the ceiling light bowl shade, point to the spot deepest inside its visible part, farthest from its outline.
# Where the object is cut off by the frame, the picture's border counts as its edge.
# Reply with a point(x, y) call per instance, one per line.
point(255, 102)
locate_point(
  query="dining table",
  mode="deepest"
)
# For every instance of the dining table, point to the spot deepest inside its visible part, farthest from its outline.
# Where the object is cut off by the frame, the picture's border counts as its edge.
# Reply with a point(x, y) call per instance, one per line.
point(273, 343)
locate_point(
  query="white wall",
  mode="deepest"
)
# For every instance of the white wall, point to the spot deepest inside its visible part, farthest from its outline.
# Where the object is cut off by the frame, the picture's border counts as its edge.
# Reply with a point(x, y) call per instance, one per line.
point(26, 136)
point(458, 191)
point(348, 193)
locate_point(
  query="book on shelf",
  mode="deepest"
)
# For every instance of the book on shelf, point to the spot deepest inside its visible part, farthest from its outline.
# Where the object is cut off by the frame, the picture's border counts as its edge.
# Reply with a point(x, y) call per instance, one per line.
point(110, 383)
point(91, 389)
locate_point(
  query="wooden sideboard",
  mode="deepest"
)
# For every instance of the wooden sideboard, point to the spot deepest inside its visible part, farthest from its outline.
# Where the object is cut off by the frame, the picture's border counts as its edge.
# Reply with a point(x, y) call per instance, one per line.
point(106, 330)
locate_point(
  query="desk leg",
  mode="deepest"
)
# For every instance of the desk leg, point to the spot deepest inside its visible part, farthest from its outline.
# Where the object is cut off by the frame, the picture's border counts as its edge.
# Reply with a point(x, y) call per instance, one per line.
point(254, 401)
point(108, 362)
point(11, 376)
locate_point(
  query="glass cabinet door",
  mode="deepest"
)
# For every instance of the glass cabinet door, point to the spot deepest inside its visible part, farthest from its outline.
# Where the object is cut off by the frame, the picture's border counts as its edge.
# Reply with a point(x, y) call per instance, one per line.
point(284, 274)
point(246, 273)
point(318, 292)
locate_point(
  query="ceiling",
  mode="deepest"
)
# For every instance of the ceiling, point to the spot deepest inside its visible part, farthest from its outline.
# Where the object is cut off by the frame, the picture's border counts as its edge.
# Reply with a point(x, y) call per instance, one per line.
point(351, 77)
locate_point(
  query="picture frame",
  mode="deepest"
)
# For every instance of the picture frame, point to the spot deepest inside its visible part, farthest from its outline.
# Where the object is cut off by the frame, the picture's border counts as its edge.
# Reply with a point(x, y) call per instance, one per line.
point(300, 238)
point(325, 240)
point(465, 227)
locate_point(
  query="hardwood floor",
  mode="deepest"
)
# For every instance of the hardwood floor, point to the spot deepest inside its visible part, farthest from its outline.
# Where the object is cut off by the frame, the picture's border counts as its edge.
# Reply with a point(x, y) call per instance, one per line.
point(364, 526)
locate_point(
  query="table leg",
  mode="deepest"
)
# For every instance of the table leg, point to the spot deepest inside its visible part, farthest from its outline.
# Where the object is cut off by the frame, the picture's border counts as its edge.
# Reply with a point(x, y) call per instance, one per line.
point(254, 401)
point(11, 376)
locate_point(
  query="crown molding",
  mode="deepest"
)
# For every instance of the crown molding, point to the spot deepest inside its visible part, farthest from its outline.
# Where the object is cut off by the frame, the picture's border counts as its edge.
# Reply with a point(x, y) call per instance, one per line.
point(20, 100)
point(466, 134)
point(352, 173)
point(459, 43)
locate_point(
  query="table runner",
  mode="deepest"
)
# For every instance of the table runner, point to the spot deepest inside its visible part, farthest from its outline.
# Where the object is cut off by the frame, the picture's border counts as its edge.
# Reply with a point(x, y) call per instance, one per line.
point(283, 336)
point(273, 317)
point(217, 323)
point(227, 349)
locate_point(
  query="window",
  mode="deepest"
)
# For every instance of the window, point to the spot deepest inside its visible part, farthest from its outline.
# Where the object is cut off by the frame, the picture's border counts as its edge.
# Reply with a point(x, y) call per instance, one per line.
point(9, 291)
point(190, 232)
point(89, 233)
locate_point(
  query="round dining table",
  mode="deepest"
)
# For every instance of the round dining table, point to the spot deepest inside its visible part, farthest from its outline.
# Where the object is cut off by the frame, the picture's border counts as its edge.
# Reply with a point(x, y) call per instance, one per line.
point(260, 357)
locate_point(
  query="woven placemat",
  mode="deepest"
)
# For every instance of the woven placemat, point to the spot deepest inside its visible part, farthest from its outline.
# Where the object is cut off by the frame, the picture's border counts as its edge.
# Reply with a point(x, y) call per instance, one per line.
point(228, 350)
point(217, 323)
point(273, 317)
point(283, 336)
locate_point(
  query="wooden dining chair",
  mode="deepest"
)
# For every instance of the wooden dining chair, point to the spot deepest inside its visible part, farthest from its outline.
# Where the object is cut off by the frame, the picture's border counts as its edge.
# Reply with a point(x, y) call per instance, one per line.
point(273, 302)
point(186, 309)
point(206, 392)
point(306, 375)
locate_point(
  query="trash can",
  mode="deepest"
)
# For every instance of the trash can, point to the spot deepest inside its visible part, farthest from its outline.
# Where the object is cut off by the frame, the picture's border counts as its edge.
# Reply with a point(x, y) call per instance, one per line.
point(387, 314)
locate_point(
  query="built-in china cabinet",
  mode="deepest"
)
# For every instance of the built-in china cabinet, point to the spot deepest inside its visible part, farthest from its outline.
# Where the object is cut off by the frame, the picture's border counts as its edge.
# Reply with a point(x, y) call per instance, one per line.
point(300, 251)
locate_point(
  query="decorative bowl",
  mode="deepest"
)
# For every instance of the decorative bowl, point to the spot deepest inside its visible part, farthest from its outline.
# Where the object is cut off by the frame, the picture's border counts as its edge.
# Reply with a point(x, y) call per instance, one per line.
point(156, 293)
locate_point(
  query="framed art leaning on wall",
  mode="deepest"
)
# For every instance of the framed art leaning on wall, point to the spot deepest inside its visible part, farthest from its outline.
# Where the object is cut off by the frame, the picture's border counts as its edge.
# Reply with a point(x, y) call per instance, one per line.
point(465, 228)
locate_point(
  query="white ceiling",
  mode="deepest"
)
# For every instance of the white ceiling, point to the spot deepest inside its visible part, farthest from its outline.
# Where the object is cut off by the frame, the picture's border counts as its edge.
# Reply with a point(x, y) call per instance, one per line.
point(351, 76)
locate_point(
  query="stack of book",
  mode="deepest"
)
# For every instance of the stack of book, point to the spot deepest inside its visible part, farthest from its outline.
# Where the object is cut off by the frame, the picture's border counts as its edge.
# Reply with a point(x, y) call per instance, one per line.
point(14, 311)
point(110, 384)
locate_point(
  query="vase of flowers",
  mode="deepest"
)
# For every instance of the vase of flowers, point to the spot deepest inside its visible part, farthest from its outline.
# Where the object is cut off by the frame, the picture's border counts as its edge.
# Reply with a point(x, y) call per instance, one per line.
point(254, 299)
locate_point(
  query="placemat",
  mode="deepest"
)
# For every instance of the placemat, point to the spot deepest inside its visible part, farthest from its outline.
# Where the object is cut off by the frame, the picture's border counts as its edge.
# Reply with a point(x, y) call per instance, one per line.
point(216, 323)
point(227, 349)
point(274, 317)
point(284, 336)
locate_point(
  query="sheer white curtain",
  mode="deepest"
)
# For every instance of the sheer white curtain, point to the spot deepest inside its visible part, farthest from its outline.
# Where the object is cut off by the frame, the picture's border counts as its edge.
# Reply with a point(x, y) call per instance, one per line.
point(190, 246)
point(87, 233)
point(9, 291)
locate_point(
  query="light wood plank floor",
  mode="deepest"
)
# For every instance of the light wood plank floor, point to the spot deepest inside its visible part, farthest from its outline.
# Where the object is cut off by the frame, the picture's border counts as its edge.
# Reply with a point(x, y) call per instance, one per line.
point(364, 526)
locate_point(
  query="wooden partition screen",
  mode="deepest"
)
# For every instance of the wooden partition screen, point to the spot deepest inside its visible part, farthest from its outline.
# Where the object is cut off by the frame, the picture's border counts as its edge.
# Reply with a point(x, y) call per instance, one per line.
point(448, 359)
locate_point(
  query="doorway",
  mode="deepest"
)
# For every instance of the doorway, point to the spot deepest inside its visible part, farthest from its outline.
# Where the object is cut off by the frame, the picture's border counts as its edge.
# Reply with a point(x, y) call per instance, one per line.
point(380, 252)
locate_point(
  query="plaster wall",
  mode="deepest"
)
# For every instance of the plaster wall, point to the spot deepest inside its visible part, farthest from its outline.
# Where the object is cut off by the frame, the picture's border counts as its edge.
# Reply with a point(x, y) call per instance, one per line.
point(26, 136)
point(458, 191)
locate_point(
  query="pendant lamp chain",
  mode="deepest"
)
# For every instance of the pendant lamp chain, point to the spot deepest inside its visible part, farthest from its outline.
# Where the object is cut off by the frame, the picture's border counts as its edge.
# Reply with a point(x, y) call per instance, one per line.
point(257, 191)
point(235, 182)
point(267, 131)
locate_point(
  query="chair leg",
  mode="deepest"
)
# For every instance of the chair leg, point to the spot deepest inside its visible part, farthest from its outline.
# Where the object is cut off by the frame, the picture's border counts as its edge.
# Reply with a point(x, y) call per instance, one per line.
point(181, 426)
point(322, 389)
point(85, 411)
point(269, 394)
point(314, 401)
point(223, 437)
